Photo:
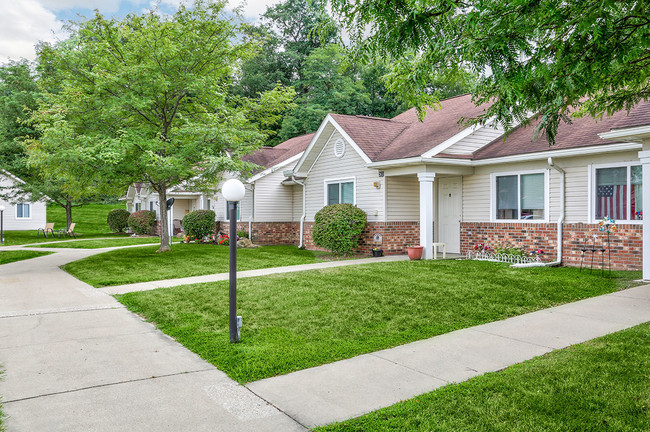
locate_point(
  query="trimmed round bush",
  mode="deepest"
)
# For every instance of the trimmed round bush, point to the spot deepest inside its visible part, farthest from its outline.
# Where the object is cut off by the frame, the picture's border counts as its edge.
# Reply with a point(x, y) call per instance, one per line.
point(142, 221)
point(338, 227)
point(242, 234)
point(118, 220)
point(199, 223)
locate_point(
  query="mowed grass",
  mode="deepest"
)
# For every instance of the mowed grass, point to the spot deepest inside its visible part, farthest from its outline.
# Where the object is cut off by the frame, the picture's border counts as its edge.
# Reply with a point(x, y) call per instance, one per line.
point(144, 264)
point(90, 222)
point(600, 385)
point(103, 243)
point(13, 256)
point(299, 320)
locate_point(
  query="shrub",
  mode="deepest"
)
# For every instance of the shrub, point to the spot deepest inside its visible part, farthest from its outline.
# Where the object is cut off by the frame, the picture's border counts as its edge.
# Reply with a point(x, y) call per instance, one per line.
point(118, 220)
point(199, 223)
point(142, 221)
point(242, 234)
point(338, 228)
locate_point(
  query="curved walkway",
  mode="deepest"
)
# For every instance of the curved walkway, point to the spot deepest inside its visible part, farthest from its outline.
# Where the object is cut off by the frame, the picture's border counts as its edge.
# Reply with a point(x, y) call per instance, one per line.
point(76, 360)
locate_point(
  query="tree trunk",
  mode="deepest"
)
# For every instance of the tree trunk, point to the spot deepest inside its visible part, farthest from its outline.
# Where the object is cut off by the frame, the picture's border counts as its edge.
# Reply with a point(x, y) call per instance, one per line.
point(68, 214)
point(164, 224)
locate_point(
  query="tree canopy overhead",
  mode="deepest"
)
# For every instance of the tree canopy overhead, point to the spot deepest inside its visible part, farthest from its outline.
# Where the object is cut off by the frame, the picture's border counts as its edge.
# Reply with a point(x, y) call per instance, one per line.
point(146, 98)
point(548, 57)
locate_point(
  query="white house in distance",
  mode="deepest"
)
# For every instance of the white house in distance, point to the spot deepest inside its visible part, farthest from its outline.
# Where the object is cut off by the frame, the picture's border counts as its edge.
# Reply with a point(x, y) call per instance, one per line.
point(437, 181)
point(21, 214)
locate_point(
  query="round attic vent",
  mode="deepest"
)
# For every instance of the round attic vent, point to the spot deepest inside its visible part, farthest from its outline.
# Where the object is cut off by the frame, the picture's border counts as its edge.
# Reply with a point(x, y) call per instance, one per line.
point(339, 148)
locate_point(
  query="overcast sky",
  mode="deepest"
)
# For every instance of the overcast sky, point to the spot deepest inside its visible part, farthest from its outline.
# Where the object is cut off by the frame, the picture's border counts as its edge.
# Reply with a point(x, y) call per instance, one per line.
point(23, 23)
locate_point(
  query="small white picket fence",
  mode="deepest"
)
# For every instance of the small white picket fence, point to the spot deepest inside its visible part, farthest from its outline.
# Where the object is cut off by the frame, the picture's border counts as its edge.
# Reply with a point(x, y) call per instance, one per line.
point(506, 258)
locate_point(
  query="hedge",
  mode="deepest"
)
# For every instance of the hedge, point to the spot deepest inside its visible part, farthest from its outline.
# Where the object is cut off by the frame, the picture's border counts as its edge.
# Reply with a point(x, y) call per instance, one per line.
point(142, 221)
point(338, 227)
point(118, 220)
point(199, 223)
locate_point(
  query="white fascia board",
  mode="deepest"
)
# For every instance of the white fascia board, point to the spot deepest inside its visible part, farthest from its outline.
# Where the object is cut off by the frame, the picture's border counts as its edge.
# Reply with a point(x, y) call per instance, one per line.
point(349, 139)
point(582, 151)
point(507, 159)
point(274, 168)
point(629, 134)
point(312, 143)
point(451, 141)
point(11, 176)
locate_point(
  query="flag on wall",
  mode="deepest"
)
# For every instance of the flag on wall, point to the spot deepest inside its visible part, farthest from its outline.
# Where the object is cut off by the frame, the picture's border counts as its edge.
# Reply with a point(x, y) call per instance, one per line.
point(611, 202)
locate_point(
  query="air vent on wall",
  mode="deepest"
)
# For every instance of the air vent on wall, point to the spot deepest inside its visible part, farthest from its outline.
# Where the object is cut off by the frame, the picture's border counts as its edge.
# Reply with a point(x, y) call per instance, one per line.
point(339, 148)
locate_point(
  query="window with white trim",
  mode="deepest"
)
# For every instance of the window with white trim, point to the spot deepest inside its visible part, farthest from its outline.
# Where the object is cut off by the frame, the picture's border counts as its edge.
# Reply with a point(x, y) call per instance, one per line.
point(339, 192)
point(618, 192)
point(23, 211)
point(138, 206)
point(520, 196)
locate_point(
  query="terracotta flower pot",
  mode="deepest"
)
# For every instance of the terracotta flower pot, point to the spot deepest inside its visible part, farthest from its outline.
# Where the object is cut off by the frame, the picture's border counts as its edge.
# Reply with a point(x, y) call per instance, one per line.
point(415, 252)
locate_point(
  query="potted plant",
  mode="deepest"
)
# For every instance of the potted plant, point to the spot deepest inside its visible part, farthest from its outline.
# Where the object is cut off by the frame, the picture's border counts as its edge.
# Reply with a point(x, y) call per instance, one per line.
point(414, 252)
point(377, 252)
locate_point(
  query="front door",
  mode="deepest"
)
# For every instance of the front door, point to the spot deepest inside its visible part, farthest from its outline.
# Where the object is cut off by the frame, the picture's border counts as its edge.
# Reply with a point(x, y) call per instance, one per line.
point(450, 207)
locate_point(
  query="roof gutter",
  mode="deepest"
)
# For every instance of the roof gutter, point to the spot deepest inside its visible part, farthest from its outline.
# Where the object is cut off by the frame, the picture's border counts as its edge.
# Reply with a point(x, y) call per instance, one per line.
point(543, 155)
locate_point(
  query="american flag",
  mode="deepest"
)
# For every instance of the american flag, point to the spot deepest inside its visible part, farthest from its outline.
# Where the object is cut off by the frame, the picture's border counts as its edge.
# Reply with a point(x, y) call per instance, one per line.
point(611, 202)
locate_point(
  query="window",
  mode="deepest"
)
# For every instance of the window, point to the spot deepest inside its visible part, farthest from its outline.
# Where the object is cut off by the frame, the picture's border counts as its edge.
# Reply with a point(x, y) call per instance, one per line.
point(521, 197)
point(23, 211)
point(618, 193)
point(208, 205)
point(339, 192)
point(152, 207)
point(138, 206)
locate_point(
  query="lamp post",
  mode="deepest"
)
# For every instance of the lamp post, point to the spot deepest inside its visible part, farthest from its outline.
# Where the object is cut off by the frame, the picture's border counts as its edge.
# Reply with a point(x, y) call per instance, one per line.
point(2, 231)
point(233, 191)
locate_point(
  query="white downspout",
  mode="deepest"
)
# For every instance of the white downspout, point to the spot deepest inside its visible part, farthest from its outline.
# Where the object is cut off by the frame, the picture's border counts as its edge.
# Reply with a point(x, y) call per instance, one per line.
point(560, 220)
point(304, 210)
point(250, 219)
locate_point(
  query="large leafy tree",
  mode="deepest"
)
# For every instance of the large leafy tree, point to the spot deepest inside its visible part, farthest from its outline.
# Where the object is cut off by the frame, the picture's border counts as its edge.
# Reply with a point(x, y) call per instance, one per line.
point(61, 181)
point(145, 98)
point(552, 57)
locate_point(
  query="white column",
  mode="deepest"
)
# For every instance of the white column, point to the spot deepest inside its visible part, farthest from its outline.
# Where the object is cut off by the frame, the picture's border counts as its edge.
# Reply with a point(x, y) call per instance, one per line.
point(644, 156)
point(426, 213)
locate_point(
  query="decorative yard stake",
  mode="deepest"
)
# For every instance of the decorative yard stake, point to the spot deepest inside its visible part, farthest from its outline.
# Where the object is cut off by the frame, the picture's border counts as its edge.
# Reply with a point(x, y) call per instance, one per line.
point(607, 225)
point(593, 251)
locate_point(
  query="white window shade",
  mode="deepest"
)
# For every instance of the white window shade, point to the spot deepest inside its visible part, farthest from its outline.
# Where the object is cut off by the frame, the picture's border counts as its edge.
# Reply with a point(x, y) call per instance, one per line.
point(532, 191)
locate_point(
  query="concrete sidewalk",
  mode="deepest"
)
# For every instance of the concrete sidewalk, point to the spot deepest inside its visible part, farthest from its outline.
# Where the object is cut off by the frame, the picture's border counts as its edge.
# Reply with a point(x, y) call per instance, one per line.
point(75, 360)
point(350, 388)
point(146, 286)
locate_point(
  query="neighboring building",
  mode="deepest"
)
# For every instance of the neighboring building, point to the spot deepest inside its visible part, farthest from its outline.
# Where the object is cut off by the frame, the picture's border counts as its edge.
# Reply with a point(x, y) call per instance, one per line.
point(463, 185)
point(21, 214)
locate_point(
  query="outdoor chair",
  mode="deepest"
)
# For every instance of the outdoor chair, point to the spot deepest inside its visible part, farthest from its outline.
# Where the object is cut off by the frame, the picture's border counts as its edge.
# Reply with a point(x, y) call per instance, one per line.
point(49, 227)
point(70, 231)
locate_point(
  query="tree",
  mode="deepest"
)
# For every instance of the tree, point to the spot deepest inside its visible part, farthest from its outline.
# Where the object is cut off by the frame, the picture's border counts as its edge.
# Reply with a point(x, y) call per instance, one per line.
point(59, 180)
point(556, 58)
point(145, 98)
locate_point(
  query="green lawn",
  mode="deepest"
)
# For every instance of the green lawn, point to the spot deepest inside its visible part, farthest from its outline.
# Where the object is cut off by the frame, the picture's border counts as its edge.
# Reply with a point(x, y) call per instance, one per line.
point(103, 243)
point(601, 385)
point(144, 264)
point(90, 220)
point(12, 256)
point(299, 320)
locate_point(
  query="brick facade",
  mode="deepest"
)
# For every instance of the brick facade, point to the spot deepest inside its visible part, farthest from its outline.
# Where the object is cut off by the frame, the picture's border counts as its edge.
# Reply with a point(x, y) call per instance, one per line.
point(626, 243)
point(395, 236)
point(268, 233)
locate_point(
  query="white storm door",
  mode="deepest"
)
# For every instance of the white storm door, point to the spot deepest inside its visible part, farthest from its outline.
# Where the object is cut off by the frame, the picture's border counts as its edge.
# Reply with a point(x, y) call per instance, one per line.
point(450, 207)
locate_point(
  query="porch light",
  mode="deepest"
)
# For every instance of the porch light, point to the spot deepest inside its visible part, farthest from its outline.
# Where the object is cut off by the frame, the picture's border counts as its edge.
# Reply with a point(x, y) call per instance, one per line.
point(233, 191)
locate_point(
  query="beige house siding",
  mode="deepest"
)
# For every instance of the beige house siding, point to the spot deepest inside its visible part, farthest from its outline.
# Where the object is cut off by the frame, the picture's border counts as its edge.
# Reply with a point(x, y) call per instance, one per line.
point(273, 200)
point(475, 141)
point(297, 203)
point(477, 188)
point(402, 198)
point(350, 166)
